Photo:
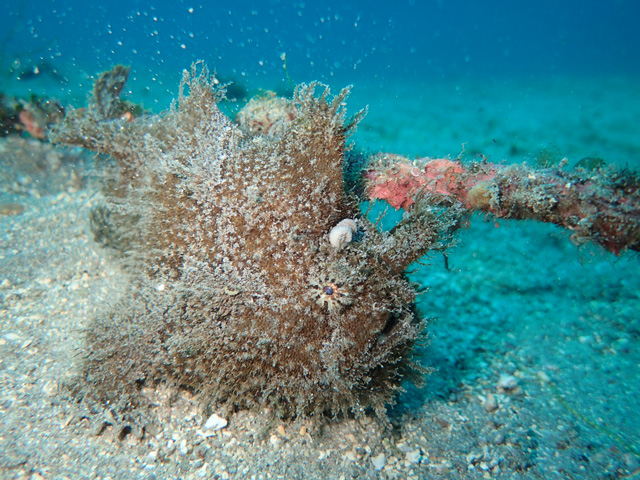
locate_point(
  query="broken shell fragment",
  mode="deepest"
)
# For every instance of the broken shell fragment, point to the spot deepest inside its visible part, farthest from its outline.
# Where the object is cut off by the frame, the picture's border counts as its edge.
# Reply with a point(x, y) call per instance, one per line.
point(215, 422)
point(342, 233)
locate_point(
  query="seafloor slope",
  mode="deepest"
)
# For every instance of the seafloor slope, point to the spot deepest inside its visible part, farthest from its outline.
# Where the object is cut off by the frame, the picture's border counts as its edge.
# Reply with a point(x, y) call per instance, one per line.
point(534, 340)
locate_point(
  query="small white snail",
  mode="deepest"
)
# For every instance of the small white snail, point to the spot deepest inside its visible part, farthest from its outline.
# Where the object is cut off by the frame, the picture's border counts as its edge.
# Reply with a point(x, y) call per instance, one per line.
point(342, 233)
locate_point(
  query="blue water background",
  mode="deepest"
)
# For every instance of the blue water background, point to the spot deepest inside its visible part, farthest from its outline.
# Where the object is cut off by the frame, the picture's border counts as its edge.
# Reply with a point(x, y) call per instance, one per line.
point(332, 41)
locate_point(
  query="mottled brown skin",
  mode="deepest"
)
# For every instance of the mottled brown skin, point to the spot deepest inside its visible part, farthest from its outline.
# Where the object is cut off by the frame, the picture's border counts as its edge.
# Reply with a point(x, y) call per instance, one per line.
point(230, 257)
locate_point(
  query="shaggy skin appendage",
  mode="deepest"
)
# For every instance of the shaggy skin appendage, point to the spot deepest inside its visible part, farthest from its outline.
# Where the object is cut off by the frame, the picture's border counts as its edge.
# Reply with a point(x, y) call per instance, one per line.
point(236, 291)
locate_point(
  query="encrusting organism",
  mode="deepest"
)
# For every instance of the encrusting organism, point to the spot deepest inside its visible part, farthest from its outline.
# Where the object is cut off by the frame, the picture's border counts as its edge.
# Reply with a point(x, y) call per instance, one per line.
point(256, 279)
point(601, 205)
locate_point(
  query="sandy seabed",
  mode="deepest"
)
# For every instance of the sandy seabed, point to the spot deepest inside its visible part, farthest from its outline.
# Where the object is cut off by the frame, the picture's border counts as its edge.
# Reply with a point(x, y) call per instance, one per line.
point(534, 340)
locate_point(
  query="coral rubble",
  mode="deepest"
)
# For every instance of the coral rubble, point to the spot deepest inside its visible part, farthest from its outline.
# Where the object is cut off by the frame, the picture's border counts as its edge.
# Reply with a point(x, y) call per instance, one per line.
point(34, 116)
point(599, 205)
